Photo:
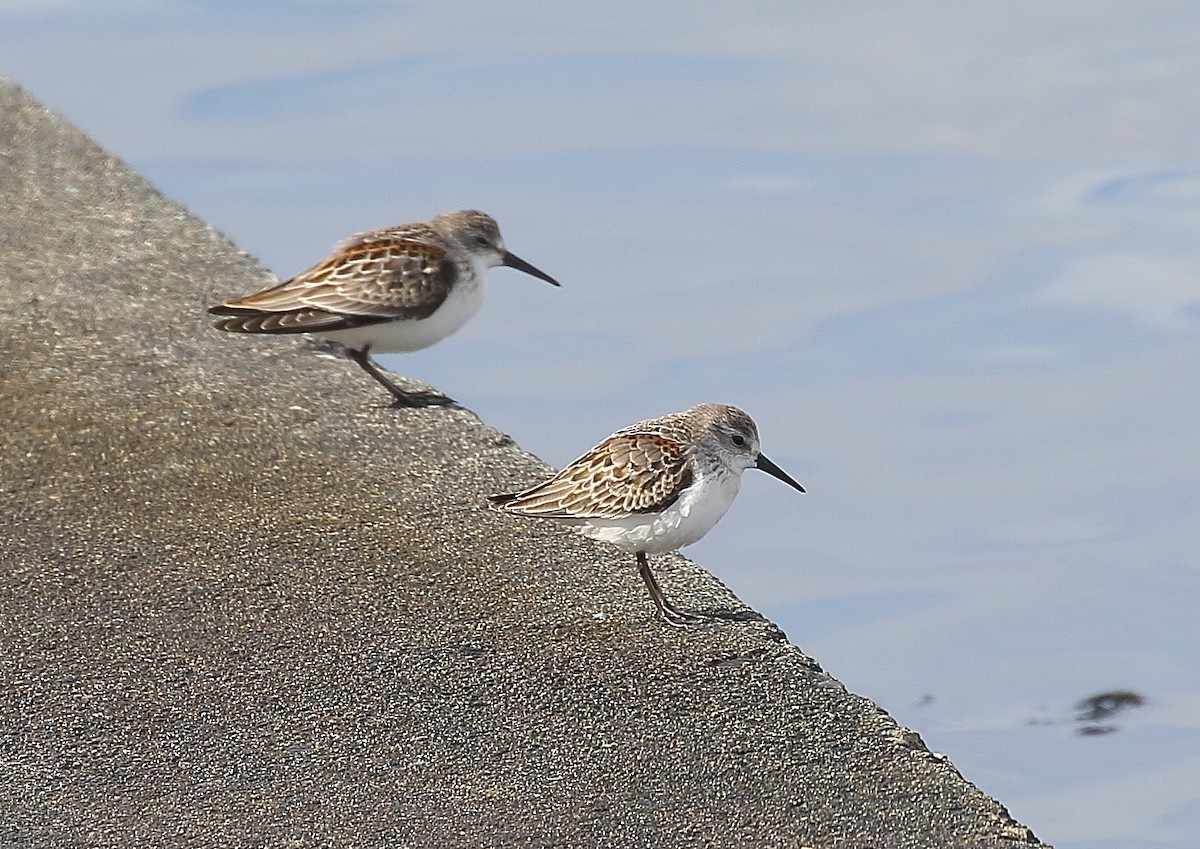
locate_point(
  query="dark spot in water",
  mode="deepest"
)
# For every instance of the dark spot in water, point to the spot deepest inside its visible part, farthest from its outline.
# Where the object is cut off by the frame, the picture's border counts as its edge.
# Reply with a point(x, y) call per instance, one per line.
point(1093, 713)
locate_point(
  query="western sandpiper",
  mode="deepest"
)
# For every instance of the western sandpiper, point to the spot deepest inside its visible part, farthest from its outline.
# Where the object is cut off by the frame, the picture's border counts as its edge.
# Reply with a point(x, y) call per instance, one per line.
point(396, 289)
point(654, 486)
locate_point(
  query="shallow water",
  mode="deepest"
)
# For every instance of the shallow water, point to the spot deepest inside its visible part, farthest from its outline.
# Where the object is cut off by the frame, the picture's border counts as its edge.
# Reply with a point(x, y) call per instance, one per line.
point(946, 256)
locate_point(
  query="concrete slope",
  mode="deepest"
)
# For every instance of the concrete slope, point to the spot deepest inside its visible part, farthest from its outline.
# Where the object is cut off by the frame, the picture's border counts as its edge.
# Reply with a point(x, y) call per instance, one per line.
point(244, 603)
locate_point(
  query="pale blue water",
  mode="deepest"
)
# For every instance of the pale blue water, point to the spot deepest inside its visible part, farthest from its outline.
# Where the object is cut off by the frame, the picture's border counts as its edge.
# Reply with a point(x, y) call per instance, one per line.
point(947, 255)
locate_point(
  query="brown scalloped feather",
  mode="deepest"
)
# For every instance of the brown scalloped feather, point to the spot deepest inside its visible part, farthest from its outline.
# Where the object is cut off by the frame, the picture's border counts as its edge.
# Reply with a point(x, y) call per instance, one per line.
point(629, 472)
point(384, 275)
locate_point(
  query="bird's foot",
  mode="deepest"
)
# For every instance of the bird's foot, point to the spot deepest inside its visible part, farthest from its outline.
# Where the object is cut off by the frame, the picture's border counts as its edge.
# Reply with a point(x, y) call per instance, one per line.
point(400, 398)
point(681, 619)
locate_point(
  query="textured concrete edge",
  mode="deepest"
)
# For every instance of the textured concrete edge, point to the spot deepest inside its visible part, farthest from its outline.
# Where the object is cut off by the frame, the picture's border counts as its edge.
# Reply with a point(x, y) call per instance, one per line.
point(698, 581)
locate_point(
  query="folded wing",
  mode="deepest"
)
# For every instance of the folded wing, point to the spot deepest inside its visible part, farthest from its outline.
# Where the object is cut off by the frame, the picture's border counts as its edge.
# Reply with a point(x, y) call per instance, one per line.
point(381, 276)
point(626, 474)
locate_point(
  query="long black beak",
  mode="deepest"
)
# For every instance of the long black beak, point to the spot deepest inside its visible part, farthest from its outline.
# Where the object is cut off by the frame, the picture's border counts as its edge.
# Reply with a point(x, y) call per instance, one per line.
point(514, 261)
point(774, 471)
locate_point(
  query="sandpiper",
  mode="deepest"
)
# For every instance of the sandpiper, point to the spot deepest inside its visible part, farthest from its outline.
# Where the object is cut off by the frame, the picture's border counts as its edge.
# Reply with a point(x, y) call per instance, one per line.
point(395, 289)
point(653, 487)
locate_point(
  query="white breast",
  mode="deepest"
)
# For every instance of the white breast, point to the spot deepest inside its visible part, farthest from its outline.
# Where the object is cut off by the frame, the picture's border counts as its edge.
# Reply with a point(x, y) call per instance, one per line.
point(686, 521)
point(464, 301)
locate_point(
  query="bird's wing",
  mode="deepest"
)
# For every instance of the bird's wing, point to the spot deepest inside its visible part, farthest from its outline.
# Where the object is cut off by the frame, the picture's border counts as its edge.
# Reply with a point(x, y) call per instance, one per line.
point(627, 473)
point(380, 276)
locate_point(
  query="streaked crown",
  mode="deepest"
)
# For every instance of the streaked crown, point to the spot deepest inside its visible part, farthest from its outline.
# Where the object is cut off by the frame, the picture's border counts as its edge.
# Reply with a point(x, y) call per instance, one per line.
point(475, 231)
point(726, 433)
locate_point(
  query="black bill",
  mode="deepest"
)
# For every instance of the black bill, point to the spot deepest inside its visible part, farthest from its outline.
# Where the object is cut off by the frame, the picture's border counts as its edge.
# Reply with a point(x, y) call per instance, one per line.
point(514, 261)
point(774, 471)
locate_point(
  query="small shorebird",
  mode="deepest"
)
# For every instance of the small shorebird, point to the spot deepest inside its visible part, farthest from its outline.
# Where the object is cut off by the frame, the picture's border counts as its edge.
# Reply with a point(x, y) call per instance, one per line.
point(396, 289)
point(653, 487)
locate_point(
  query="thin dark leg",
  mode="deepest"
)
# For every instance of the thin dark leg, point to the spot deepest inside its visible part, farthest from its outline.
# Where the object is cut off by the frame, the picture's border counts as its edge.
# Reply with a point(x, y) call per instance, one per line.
point(402, 398)
point(670, 614)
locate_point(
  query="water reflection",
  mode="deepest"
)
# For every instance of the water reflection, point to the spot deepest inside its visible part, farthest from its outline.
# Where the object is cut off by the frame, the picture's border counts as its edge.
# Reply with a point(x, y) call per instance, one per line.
point(1096, 713)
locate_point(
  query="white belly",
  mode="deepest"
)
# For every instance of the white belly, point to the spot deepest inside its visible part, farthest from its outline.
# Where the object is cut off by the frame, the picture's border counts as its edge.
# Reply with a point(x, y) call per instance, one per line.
point(686, 521)
point(390, 337)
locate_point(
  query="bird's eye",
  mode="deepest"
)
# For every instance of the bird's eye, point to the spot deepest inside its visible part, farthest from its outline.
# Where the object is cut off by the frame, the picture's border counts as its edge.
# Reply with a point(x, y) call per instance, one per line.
point(482, 240)
point(738, 440)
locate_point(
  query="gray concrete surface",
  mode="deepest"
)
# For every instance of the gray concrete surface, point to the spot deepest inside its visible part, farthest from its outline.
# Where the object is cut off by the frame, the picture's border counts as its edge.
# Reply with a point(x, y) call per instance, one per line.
point(243, 603)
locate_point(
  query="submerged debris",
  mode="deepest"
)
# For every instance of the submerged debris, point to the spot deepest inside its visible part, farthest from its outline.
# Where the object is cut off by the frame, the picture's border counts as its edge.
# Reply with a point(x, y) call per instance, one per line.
point(1092, 712)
